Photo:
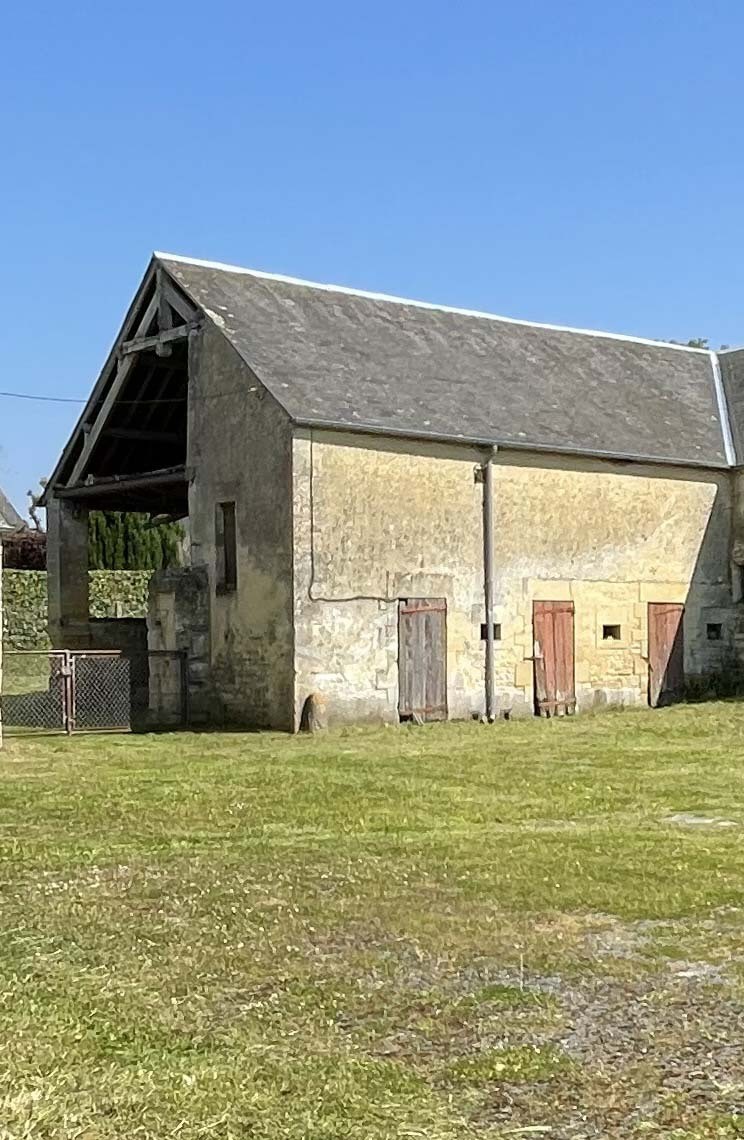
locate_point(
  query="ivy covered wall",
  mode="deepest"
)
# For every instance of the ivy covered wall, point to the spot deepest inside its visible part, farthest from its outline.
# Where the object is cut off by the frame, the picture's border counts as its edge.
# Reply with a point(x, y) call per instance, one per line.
point(113, 593)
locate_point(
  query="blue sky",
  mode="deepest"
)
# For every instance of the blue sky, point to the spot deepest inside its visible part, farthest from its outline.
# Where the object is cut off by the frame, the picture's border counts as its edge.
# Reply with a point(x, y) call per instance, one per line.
point(577, 163)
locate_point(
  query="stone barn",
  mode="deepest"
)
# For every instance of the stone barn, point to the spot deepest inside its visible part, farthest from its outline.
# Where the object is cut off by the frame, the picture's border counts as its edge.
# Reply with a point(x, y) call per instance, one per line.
point(403, 510)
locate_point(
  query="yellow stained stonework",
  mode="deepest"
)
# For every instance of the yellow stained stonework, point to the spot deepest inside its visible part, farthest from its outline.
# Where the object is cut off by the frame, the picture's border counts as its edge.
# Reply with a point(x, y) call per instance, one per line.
point(379, 520)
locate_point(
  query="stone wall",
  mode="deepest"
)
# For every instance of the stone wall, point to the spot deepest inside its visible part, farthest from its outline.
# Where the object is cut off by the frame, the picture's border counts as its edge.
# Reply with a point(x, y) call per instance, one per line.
point(374, 524)
point(113, 594)
point(376, 521)
point(612, 538)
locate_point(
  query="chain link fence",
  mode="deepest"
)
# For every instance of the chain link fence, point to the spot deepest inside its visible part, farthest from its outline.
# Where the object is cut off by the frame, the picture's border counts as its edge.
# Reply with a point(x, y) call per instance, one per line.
point(93, 691)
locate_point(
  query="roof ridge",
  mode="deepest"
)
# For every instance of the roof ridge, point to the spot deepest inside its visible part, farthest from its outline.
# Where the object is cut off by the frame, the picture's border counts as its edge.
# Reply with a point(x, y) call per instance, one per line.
point(372, 296)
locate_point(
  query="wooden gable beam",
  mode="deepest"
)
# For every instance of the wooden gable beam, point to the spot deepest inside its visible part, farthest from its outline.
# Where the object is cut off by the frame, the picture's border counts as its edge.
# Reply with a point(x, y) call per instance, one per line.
point(176, 300)
point(164, 477)
point(165, 312)
point(100, 385)
point(159, 341)
point(180, 304)
point(170, 301)
point(165, 316)
point(92, 431)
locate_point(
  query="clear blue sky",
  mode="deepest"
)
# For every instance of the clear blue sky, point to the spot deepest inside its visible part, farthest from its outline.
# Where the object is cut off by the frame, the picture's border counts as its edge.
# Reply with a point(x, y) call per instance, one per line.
point(576, 162)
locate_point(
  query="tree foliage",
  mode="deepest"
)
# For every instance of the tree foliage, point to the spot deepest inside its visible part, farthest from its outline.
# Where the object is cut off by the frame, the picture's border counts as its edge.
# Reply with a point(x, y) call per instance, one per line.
point(697, 342)
point(120, 540)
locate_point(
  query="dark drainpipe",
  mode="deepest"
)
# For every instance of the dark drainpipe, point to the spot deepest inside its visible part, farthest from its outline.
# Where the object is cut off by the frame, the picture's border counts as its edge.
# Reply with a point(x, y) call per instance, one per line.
point(488, 579)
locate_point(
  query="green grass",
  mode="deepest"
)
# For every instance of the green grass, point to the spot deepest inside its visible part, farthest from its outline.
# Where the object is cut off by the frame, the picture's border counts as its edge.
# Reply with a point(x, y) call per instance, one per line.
point(523, 1063)
point(442, 932)
point(26, 672)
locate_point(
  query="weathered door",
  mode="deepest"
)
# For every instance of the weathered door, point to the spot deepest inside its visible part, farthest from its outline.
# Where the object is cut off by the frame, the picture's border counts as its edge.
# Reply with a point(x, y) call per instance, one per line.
point(553, 632)
point(422, 658)
point(666, 652)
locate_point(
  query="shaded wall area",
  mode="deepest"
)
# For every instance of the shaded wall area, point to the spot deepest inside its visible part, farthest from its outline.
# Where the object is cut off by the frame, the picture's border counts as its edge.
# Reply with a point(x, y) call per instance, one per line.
point(240, 452)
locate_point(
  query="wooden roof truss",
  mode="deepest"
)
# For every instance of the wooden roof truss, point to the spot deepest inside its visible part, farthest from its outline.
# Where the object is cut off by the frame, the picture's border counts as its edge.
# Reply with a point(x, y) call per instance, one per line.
point(133, 428)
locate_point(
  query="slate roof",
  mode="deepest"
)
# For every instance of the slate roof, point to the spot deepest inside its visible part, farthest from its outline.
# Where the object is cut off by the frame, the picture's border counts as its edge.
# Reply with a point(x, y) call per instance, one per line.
point(333, 356)
point(9, 517)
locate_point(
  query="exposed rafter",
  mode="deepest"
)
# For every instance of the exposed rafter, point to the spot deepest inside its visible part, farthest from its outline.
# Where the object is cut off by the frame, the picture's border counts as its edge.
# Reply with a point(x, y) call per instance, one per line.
point(170, 301)
point(165, 313)
point(93, 430)
point(100, 386)
point(166, 477)
point(178, 303)
point(159, 341)
point(136, 337)
point(142, 435)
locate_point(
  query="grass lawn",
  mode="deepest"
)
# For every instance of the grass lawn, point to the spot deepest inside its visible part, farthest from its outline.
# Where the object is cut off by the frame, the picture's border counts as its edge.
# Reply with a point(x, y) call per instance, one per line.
point(532, 929)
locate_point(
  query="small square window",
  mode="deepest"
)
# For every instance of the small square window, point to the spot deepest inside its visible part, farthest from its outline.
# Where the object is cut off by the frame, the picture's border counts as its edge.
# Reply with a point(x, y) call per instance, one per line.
point(612, 633)
point(496, 631)
point(714, 630)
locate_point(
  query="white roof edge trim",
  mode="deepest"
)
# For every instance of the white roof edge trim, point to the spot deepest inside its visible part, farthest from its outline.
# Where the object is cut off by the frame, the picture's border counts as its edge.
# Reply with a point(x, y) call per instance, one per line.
point(370, 296)
point(734, 348)
point(723, 411)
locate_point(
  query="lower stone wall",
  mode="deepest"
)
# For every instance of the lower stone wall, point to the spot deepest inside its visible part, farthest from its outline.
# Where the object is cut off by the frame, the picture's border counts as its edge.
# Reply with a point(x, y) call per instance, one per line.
point(350, 657)
point(178, 619)
point(127, 634)
point(113, 594)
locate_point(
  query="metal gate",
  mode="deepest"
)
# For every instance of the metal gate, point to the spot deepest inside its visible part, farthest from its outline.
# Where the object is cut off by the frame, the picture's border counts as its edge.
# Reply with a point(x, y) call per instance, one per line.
point(93, 690)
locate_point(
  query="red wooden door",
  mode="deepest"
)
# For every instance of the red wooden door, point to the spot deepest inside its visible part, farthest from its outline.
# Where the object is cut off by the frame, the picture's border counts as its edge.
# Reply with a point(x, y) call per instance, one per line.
point(422, 659)
point(666, 652)
point(553, 632)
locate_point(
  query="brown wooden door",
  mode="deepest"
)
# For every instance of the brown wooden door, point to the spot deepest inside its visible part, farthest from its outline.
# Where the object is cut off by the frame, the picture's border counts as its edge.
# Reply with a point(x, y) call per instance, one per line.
point(666, 652)
point(422, 658)
point(553, 631)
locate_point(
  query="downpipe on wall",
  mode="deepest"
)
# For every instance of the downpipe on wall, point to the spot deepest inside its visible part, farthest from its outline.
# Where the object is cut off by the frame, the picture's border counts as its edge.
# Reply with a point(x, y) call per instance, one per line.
point(486, 478)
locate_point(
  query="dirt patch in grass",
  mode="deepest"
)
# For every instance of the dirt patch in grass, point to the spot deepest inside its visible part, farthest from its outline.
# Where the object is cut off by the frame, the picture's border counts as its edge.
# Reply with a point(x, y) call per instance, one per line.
point(627, 1042)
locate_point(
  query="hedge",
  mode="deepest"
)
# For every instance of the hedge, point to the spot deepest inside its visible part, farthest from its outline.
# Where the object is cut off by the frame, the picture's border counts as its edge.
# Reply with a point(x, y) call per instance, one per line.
point(113, 593)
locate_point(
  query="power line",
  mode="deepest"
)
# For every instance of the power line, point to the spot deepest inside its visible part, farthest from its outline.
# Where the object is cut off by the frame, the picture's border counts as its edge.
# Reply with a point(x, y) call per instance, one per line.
point(78, 400)
point(195, 396)
point(45, 399)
